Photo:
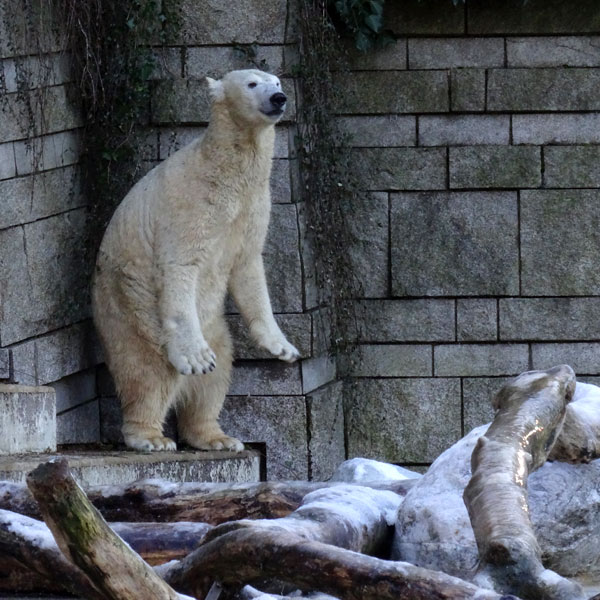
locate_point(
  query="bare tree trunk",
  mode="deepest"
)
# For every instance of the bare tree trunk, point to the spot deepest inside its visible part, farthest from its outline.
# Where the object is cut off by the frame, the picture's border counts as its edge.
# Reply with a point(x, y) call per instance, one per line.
point(530, 413)
point(114, 569)
point(297, 550)
point(212, 503)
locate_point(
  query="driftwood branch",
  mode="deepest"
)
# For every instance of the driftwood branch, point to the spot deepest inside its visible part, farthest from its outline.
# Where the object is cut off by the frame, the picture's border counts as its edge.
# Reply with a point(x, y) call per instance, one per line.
point(530, 413)
point(297, 550)
point(114, 569)
point(211, 503)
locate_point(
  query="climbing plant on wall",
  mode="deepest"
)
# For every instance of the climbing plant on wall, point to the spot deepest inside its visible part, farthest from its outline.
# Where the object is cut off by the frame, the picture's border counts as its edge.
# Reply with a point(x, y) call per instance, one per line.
point(328, 184)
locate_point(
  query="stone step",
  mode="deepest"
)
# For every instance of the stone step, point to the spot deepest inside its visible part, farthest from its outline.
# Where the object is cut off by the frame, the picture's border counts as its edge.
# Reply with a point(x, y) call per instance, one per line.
point(98, 467)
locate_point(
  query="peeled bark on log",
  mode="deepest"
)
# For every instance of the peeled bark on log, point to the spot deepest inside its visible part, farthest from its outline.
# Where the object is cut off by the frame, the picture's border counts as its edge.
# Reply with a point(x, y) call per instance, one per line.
point(297, 550)
point(530, 413)
point(114, 569)
point(579, 440)
point(212, 503)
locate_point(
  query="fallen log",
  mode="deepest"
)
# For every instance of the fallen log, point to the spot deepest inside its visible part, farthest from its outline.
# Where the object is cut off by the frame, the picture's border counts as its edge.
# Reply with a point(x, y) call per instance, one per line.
point(156, 543)
point(212, 503)
point(530, 412)
point(298, 550)
point(29, 545)
point(87, 541)
point(247, 555)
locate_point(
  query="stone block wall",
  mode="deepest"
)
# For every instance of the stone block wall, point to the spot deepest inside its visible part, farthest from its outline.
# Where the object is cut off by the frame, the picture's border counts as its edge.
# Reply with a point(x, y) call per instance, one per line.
point(477, 134)
point(477, 138)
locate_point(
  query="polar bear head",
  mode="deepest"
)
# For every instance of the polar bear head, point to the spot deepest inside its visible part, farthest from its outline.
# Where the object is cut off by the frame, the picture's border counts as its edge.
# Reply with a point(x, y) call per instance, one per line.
point(253, 96)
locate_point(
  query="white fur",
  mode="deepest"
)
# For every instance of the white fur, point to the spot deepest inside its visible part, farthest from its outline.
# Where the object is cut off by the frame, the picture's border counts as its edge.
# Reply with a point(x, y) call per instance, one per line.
point(192, 228)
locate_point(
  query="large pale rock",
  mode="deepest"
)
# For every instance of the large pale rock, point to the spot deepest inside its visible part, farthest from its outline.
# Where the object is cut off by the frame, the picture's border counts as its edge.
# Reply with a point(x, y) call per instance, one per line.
point(364, 470)
point(434, 531)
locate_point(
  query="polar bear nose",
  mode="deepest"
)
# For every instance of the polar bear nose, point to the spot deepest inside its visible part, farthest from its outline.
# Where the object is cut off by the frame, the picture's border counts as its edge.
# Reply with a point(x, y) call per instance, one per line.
point(278, 99)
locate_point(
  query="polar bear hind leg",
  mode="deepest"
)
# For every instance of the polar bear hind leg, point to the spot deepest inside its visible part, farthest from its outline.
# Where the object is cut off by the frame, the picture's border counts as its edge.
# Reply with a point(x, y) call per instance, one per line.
point(202, 396)
point(147, 386)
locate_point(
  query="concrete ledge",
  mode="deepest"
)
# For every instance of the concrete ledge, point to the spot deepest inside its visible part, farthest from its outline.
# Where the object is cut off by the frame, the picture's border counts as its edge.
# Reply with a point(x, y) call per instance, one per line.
point(27, 419)
point(116, 468)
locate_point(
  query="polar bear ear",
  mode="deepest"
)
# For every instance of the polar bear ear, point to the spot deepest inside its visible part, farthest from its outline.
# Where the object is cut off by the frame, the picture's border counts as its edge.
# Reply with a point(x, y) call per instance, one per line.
point(215, 89)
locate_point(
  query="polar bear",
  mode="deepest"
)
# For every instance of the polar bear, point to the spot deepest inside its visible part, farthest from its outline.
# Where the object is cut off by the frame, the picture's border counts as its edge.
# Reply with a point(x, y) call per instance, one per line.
point(191, 229)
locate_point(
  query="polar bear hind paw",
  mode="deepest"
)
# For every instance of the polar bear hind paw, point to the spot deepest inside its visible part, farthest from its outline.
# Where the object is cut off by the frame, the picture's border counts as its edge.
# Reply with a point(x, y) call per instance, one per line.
point(150, 444)
point(193, 361)
point(218, 442)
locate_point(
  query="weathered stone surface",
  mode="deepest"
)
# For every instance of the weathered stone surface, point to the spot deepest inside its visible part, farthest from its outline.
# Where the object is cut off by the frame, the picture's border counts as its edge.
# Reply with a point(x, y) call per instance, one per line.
point(365, 470)
point(36, 71)
point(448, 53)
point(384, 92)
point(185, 101)
point(368, 223)
point(471, 360)
point(476, 320)
point(477, 399)
point(27, 419)
point(27, 199)
point(582, 357)
point(281, 185)
point(555, 51)
point(8, 166)
point(404, 360)
point(317, 372)
point(467, 90)
point(557, 129)
point(551, 319)
point(383, 169)
point(171, 140)
point(120, 468)
point(459, 130)
point(280, 423)
point(48, 152)
point(111, 420)
point(408, 321)
point(168, 63)
point(4, 364)
point(537, 16)
point(571, 166)
point(282, 259)
point(43, 276)
point(74, 390)
point(380, 131)
point(326, 424)
point(543, 89)
point(271, 378)
point(559, 243)
point(296, 327)
point(434, 17)
point(392, 57)
point(79, 425)
point(402, 420)
point(56, 355)
point(244, 22)
point(215, 61)
point(454, 244)
point(495, 167)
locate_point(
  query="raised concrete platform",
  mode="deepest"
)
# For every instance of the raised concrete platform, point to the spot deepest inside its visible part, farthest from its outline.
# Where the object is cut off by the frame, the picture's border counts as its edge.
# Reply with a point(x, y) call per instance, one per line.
point(114, 468)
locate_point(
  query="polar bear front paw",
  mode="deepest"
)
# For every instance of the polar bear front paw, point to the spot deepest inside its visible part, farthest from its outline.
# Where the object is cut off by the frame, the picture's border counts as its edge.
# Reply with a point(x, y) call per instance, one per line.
point(282, 349)
point(192, 358)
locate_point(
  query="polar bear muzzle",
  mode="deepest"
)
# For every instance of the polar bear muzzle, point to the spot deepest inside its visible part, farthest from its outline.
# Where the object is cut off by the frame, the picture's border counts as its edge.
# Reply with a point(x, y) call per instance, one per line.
point(277, 101)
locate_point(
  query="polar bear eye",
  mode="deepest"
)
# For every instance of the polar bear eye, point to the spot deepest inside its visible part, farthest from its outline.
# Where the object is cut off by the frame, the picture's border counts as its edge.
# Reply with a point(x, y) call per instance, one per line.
point(252, 85)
